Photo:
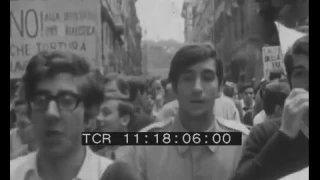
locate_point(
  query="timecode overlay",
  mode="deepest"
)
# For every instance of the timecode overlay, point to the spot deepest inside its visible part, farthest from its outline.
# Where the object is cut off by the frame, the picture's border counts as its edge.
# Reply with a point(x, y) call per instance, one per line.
point(162, 138)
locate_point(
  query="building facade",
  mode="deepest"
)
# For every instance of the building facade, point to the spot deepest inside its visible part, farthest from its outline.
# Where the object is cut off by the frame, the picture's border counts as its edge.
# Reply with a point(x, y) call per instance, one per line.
point(121, 34)
point(132, 35)
point(240, 28)
point(187, 13)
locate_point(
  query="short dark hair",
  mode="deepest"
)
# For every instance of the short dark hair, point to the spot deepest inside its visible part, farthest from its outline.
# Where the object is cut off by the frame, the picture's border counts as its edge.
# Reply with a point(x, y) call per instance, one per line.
point(48, 64)
point(300, 47)
point(229, 90)
point(274, 76)
point(245, 86)
point(190, 55)
point(135, 86)
point(164, 83)
point(271, 100)
point(126, 109)
point(122, 84)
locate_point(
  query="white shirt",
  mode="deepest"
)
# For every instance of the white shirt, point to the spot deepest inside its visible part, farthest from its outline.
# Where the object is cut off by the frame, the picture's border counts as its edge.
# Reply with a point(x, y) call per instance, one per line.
point(300, 175)
point(243, 105)
point(259, 118)
point(226, 108)
point(25, 168)
point(15, 142)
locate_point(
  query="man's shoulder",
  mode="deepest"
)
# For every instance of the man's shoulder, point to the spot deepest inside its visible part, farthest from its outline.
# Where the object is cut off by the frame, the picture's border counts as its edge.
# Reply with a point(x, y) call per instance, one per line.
point(172, 104)
point(18, 164)
point(265, 130)
point(167, 111)
point(268, 125)
point(104, 162)
point(232, 125)
point(160, 126)
point(225, 100)
point(13, 131)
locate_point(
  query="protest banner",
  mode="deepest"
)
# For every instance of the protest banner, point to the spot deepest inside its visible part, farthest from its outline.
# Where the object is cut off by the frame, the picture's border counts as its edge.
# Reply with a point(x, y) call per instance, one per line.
point(66, 25)
point(299, 175)
point(272, 60)
point(287, 36)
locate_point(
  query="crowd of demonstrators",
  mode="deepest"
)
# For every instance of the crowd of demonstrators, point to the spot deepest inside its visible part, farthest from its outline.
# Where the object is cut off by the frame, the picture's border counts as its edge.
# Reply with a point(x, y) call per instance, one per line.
point(61, 97)
point(196, 77)
point(273, 97)
point(21, 137)
point(278, 147)
point(231, 90)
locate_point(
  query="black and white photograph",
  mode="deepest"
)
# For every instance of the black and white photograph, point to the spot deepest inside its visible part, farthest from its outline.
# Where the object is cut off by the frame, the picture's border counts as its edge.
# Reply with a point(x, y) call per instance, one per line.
point(159, 89)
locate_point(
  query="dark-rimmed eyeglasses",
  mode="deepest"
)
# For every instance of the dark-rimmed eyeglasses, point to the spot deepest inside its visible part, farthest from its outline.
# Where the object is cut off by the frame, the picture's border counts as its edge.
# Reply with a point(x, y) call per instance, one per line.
point(66, 101)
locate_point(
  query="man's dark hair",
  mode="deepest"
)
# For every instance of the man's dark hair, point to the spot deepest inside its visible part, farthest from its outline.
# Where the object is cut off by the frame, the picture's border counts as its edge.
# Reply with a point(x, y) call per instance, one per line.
point(124, 108)
point(259, 89)
point(244, 87)
point(190, 55)
point(135, 123)
point(271, 99)
point(274, 76)
point(248, 118)
point(135, 86)
point(229, 91)
point(164, 83)
point(48, 64)
point(300, 47)
point(122, 84)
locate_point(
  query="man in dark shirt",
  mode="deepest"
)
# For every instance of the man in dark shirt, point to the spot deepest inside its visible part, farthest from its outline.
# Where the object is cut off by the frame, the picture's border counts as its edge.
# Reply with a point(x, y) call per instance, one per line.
point(280, 147)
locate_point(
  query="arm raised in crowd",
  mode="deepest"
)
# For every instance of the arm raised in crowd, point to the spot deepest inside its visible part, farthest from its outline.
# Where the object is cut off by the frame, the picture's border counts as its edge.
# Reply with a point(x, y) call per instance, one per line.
point(266, 151)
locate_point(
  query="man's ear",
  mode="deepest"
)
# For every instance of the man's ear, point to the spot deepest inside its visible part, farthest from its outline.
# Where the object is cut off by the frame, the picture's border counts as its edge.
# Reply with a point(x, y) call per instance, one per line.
point(125, 120)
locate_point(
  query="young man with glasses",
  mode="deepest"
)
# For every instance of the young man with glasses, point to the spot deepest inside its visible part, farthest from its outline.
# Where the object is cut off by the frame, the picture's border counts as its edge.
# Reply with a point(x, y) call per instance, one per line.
point(61, 94)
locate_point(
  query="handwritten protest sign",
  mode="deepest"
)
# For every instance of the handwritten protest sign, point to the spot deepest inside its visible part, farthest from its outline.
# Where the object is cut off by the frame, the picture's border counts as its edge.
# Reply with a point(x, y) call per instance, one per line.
point(67, 25)
point(272, 60)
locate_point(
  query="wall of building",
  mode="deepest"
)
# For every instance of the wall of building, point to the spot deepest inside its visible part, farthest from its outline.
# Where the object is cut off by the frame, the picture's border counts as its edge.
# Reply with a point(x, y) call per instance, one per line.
point(132, 35)
point(240, 28)
point(121, 37)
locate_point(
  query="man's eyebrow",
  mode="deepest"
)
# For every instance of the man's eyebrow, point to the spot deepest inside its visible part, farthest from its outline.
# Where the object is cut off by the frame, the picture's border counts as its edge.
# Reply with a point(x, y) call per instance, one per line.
point(187, 71)
point(208, 71)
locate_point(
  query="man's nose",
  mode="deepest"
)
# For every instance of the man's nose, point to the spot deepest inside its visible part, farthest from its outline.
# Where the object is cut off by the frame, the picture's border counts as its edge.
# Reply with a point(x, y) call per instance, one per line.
point(53, 109)
point(197, 88)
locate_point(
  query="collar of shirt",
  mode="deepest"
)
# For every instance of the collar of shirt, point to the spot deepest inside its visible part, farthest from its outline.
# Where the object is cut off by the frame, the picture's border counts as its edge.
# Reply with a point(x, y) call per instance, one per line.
point(109, 152)
point(177, 127)
point(83, 174)
point(244, 105)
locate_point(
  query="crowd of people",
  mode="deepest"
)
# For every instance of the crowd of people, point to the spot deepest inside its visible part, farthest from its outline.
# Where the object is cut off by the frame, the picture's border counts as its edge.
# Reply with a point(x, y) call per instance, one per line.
point(60, 96)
